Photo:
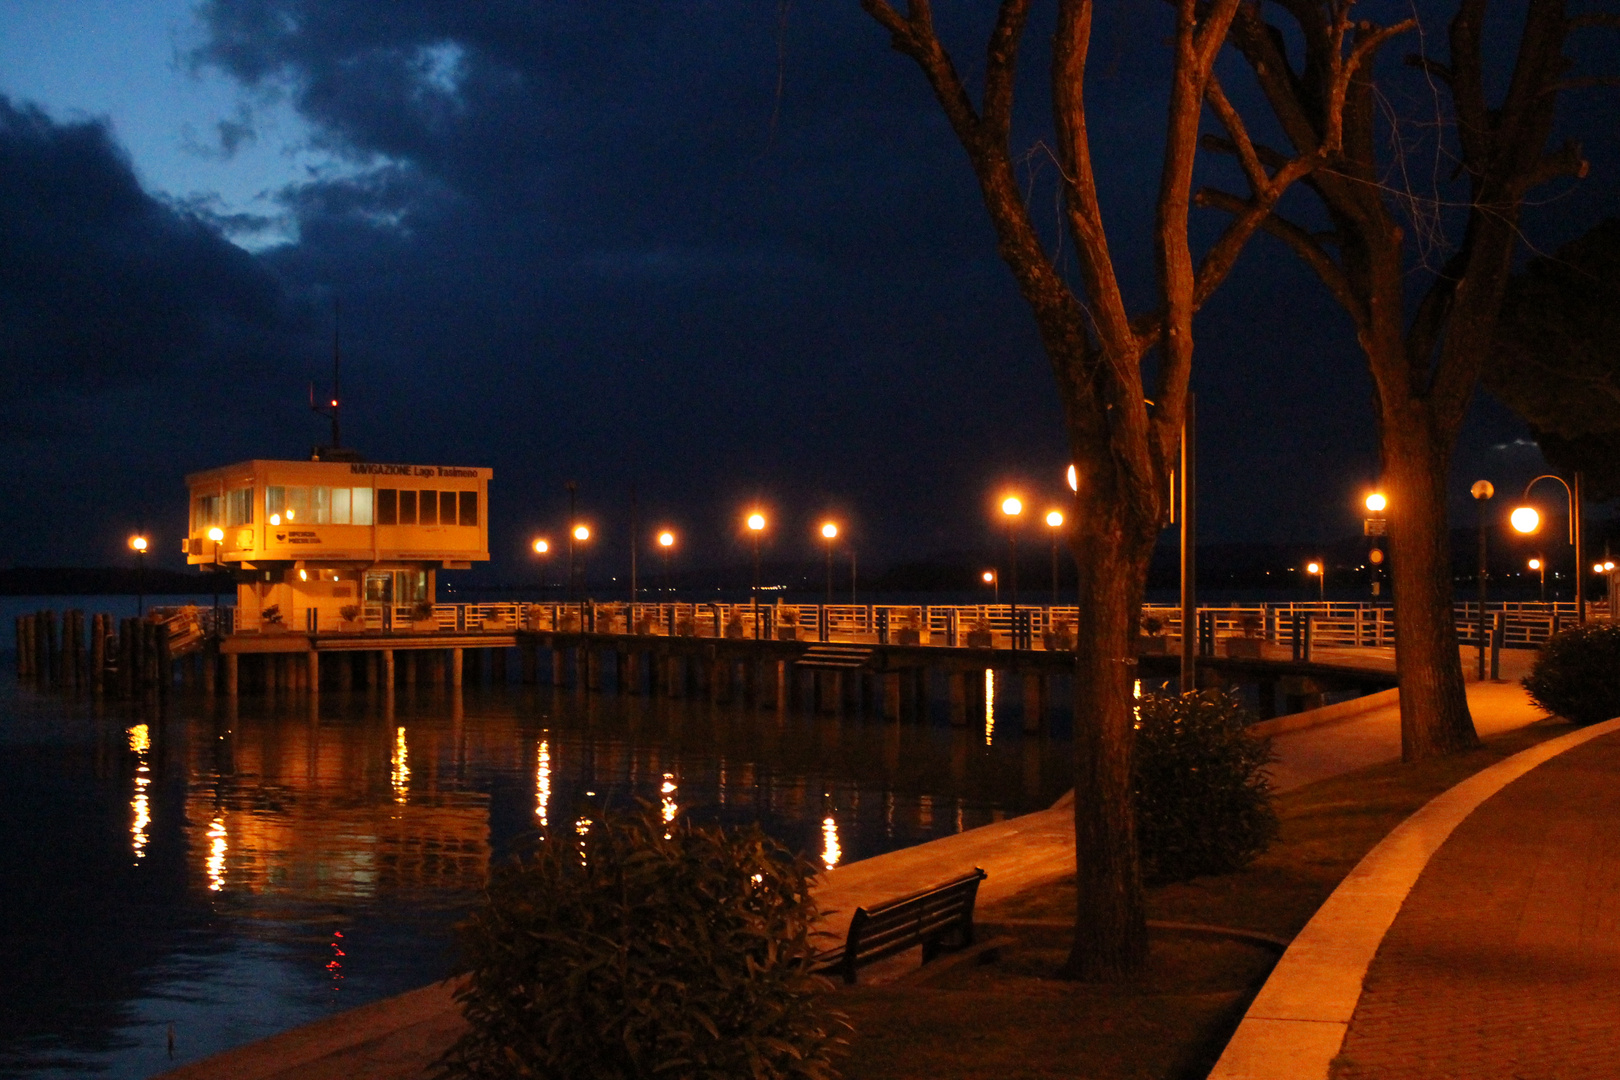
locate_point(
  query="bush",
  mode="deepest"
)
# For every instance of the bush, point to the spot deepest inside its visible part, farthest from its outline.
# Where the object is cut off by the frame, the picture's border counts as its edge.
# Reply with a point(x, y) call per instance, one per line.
point(643, 948)
point(1203, 799)
point(1577, 675)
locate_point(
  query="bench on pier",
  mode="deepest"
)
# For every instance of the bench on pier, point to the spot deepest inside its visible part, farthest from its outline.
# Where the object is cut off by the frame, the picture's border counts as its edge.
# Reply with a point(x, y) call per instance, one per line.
point(937, 918)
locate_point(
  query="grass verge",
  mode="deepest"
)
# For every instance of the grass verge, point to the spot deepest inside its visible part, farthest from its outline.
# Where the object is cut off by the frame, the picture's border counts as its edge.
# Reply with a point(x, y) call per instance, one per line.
point(1013, 1019)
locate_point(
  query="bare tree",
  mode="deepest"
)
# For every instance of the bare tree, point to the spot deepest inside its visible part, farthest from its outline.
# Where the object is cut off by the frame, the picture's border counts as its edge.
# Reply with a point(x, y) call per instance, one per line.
point(1122, 444)
point(1424, 365)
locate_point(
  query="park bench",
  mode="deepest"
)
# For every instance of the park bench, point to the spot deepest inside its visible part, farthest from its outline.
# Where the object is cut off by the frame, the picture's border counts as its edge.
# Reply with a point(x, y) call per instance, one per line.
point(939, 917)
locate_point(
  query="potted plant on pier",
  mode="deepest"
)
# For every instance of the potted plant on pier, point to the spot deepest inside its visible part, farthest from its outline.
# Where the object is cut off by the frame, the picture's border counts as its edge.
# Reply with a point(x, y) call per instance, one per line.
point(568, 621)
point(787, 624)
point(1059, 637)
point(686, 625)
point(734, 625)
point(978, 635)
point(349, 619)
point(909, 632)
point(1251, 646)
point(646, 622)
point(270, 619)
point(422, 616)
point(1154, 642)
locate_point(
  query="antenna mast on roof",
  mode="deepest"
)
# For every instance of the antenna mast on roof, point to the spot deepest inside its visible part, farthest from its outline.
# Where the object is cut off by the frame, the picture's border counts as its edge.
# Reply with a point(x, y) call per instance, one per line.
point(337, 371)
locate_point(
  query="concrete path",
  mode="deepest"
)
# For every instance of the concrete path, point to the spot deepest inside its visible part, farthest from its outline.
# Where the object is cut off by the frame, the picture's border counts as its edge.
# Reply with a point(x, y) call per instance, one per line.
point(397, 1038)
point(1504, 962)
point(1478, 939)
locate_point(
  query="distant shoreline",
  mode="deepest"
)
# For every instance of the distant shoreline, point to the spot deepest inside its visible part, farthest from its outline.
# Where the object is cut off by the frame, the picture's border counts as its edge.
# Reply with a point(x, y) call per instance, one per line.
point(105, 581)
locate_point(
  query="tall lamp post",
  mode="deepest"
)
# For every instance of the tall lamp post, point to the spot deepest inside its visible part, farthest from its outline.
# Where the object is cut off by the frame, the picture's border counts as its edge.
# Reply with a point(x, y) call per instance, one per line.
point(993, 579)
point(756, 525)
point(1318, 571)
point(1540, 566)
point(580, 534)
point(1526, 519)
point(1012, 507)
point(137, 544)
point(542, 549)
point(1482, 492)
point(666, 541)
point(572, 531)
point(217, 535)
point(829, 532)
point(1055, 520)
point(1376, 525)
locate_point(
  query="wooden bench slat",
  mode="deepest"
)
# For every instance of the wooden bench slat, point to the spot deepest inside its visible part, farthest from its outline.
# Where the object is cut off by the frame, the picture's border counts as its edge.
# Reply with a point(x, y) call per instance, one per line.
point(925, 918)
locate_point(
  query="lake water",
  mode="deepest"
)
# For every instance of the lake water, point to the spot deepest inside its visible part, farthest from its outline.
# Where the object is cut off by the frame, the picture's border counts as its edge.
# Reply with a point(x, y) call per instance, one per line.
point(233, 872)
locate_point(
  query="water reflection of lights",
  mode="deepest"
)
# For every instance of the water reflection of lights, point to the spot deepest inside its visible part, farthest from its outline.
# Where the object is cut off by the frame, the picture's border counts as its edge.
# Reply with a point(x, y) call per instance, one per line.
point(830, 850)
point(400, 766)
point(217, 846)
point(989, 705)
point(667, 790)
point(334, 966)
point(542, 782)
point(140, 742)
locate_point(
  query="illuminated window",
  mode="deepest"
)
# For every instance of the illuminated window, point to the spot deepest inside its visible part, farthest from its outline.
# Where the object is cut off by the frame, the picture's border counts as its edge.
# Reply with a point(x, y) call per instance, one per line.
point(320, 505)
point(340, 506)
point(239, 507)
point(429, 513)
point(407, 508)
point(207, 512)
point(469, 507)
point(361, 504)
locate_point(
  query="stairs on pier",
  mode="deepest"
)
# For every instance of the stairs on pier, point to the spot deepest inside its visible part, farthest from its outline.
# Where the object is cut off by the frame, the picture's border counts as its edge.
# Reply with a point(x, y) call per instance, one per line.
point(835, 657)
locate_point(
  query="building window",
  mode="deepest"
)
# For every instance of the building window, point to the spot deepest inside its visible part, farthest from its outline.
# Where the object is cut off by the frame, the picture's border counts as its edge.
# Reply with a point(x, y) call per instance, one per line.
point(361, 503)
point(239, 507)
point(469, 508)
point(387, 506)
point(429, 511)
point(447, 507)
point(407, 507)
point(207, 511)
point(340, 506)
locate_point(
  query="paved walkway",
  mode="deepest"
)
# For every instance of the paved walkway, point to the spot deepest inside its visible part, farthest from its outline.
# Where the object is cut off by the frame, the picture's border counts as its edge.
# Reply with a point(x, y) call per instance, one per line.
point(1504, 962)
point(395, 1039)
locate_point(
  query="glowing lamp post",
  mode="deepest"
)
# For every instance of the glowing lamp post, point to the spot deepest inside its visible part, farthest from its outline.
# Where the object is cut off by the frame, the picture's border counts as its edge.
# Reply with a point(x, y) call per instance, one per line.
point(542, 551)
point(1012, 507)
point(137, 544)
point(756, 525)
point(1319, 571)
point(1054, 519)
point(576, 568)
point(666, 541)
point(829, 532)
point(1482, 491)
point(992, 579)
point(1540, 567)
point(217, 535)
point(1527, 519)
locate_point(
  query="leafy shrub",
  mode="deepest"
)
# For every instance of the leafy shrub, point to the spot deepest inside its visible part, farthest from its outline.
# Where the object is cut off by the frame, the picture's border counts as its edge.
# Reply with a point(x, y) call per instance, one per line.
point(1577, 674)
point(645, 949)
point(1203, 799)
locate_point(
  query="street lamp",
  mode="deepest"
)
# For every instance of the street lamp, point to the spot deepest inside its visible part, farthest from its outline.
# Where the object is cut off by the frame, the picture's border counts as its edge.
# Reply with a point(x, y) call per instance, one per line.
point(992, 579)
point(829, 532)
point(1055, 520)
point(542, 549)
point(1526, 519)
point(1539, 567)
point(217, 535)
point(666, 541)
point(1482, 491)
point(1012, 507)
point(580, 534)
point(1377, 503)
point(756, 525)
point(1320, 573)
point(137, 544)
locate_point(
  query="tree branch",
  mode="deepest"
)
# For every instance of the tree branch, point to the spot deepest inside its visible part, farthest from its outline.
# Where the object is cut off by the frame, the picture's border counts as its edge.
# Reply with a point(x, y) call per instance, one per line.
point(1306, 246)
point(1233, 123)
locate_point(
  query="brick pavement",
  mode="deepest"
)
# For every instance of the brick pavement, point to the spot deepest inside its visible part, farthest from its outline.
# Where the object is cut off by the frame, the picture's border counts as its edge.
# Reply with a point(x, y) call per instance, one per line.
point(1505, 959)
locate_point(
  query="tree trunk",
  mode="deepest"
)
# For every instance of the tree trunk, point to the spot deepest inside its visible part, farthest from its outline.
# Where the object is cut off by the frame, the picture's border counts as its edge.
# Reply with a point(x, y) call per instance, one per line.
point(1110, 929)
point(1434, 706)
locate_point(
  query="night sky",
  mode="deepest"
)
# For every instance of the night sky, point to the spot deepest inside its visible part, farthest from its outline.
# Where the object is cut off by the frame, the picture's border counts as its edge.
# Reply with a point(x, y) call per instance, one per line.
point(727, 252)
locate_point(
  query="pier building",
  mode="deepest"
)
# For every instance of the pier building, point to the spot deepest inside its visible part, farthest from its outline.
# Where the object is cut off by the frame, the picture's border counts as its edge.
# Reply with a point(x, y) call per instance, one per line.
point(317, 546)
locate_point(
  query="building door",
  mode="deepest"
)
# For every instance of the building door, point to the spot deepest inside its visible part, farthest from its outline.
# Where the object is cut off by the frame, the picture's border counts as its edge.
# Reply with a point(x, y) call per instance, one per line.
point(379, 598)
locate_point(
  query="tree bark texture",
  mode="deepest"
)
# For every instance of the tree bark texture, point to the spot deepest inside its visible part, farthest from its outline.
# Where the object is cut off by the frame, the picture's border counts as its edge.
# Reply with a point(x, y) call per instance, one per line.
point(1123, 444)
point(1424, 363)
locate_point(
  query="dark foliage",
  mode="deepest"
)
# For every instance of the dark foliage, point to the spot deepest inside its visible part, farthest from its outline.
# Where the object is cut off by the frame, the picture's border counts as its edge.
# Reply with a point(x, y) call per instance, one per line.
point(1577, 675)
point(1203, 799)
point(640, 948)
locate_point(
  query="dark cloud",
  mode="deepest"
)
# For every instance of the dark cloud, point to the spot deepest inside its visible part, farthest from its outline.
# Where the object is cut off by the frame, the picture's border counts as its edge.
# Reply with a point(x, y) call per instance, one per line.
point(700, 248)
